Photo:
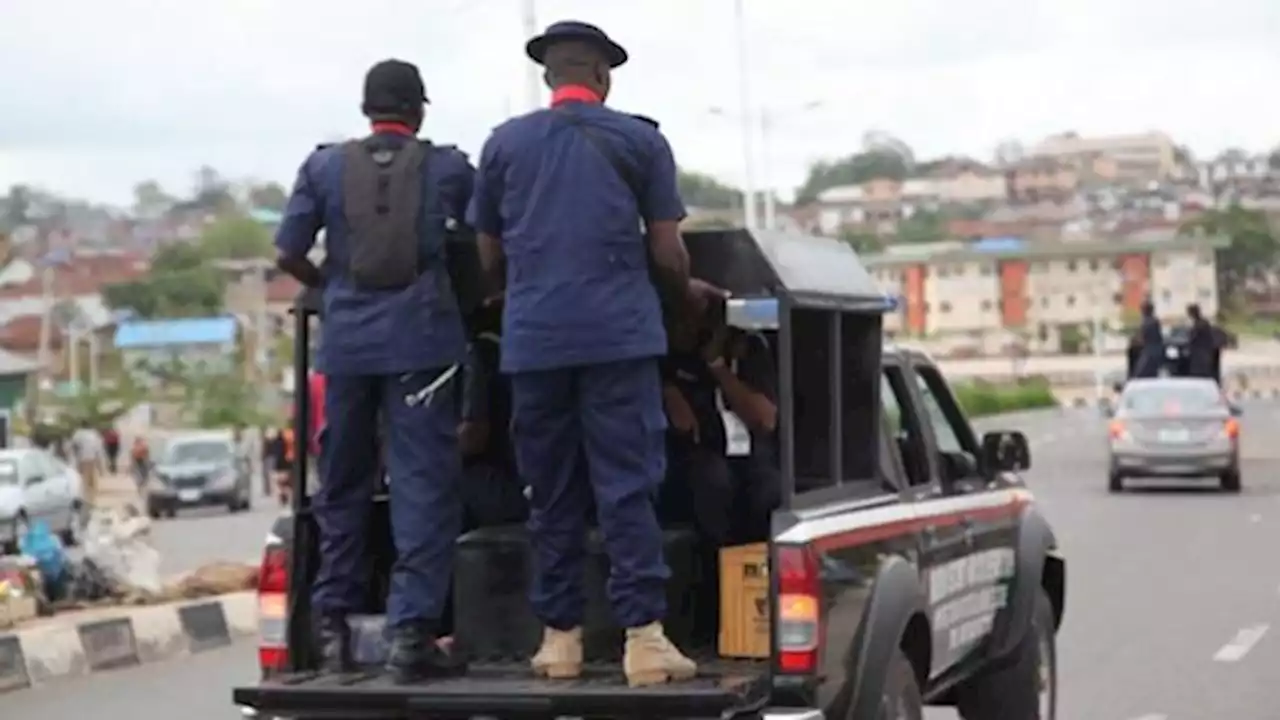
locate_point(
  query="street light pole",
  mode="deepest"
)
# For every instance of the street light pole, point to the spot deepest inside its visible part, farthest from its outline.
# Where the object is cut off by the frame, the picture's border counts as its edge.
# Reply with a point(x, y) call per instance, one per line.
point(533, 84)
point(744, 111)
point(768, 121)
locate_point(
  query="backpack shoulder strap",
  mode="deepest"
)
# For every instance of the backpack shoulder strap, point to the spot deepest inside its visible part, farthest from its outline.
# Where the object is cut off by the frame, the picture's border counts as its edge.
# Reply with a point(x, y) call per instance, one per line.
point(630, 177)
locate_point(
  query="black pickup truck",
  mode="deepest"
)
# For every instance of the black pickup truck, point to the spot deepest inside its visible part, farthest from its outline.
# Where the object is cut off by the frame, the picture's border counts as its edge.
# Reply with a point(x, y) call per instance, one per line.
point(907, 566)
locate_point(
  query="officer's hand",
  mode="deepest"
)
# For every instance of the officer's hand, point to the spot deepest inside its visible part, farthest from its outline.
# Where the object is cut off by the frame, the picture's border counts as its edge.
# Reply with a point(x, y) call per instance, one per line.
point(713, 350)
point(700, 293)
point(472, 436)
point(679, 412)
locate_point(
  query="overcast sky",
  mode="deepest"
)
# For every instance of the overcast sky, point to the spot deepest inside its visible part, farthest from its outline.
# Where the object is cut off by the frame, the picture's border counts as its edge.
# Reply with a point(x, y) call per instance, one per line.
point(98, 94)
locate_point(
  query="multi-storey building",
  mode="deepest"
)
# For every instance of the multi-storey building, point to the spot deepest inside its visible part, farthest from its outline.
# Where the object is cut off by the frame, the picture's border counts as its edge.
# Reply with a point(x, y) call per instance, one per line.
point(1137, 158)
point(1037, 289)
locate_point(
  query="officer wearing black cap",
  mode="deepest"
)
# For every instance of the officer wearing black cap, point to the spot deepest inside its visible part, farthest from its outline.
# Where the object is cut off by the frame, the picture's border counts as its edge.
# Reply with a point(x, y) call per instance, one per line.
point(560, 196)
point(391, 349)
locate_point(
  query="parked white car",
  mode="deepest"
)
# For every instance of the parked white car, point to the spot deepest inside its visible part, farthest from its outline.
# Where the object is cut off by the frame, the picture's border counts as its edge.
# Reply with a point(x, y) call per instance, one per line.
point(35, 485)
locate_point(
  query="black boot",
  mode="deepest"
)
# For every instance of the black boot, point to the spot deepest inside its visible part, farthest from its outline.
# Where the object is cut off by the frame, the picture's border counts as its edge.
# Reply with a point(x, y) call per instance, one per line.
point(333, 638)
point(414, 655)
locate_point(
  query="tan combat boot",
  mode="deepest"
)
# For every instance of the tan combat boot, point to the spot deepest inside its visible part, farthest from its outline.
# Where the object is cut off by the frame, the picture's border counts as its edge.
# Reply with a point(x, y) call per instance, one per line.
point(651, 659)
point(560, 657)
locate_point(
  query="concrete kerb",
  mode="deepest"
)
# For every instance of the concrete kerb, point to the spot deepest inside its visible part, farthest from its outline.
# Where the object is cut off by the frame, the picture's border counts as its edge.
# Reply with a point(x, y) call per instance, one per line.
point(98, 639)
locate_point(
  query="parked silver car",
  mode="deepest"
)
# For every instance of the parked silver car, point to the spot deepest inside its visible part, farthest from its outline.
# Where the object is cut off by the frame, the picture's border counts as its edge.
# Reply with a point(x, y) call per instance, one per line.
point(35, 485)
point(1175, 427)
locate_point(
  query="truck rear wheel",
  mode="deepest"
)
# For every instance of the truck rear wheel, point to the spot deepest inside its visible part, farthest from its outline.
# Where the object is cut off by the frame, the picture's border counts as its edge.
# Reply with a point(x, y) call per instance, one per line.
point(901, 699)
point(1023, 686)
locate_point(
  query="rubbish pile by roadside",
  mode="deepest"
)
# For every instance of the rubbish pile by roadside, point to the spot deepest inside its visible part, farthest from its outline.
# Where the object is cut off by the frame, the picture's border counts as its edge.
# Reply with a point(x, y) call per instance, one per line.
point(115, 565)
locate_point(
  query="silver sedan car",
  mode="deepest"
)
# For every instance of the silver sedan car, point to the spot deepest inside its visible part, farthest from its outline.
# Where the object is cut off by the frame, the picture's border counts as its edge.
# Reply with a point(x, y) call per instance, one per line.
point(1175, 427)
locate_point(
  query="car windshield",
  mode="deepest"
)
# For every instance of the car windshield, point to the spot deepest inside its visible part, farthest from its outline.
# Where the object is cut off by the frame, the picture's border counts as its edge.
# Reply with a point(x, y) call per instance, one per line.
point(198, 452)
point(8, 472)
point(1172, 397)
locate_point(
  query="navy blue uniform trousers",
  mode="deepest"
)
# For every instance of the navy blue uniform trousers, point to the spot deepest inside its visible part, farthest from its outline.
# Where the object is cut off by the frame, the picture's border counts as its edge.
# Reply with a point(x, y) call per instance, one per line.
point(424, 466)
point(612, 412)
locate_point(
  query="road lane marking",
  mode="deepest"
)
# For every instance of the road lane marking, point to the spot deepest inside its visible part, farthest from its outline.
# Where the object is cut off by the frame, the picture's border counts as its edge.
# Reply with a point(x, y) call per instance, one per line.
point(1241, 644)
point(1254, 518)
point(1152, 716)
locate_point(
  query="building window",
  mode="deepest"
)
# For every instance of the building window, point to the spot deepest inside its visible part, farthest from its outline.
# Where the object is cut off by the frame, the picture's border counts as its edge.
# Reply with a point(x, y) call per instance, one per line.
point(986, 305)
point(1118, 298)
point(944, 306)
point(1071, 301)
point(944, 271)
point(1117, 264)
point(1044, 301)
point(1071, 266)
point(986, 269)
point(1093, 266)
point(1166, 296)
point(1205, 293)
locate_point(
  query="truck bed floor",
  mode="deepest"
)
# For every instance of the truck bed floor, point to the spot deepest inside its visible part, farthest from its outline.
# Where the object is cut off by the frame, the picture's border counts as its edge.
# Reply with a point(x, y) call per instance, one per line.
point(507, 690)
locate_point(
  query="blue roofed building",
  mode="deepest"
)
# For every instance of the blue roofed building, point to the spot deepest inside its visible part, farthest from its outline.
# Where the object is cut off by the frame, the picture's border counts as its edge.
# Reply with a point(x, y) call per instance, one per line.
point(204, 345)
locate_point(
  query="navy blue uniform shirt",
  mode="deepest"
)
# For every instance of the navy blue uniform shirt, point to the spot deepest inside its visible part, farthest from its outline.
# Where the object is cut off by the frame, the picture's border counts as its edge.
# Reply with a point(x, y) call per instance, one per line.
point(371, 332)
point(578, 287)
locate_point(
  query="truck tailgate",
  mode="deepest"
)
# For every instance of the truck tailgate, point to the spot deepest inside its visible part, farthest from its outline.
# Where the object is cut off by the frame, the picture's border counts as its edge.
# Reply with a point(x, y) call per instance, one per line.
point(508, 691)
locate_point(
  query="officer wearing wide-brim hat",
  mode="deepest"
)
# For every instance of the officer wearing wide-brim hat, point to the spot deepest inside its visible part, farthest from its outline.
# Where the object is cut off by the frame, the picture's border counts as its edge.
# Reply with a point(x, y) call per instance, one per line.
point(582, 336)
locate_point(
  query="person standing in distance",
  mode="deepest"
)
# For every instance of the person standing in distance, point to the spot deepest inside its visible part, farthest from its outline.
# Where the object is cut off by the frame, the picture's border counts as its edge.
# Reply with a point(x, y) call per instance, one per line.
point(391, 348)
point(559, 229)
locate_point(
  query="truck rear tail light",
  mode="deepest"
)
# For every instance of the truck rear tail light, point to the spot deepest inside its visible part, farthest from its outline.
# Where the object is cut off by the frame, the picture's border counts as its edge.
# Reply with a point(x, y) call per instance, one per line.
point(1118, 430)
point(1231, 428)
point(799, 610)
point(273, 611)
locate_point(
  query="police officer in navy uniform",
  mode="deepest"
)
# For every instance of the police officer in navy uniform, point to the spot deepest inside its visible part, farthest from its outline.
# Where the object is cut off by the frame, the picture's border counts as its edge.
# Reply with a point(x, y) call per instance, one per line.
point(560, 229)
point(392, 345)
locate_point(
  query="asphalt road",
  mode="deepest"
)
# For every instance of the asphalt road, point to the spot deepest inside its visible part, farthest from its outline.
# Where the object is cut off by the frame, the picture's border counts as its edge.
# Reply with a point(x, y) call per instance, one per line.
point(199, 536)
point(1172, 595)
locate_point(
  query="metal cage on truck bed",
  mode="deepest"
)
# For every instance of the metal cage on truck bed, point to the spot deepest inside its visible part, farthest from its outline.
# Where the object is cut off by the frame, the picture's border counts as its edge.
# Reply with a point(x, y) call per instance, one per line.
point(823, 311)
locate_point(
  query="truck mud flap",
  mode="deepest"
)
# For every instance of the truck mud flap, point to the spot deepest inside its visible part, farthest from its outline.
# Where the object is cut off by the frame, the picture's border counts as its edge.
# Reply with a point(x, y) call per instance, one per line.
point(510, 693)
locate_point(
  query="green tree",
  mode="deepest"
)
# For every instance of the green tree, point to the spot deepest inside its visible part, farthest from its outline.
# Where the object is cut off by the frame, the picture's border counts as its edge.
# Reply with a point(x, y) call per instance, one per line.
point(268, 196)
point(703, 191)
point(1252, 253)
point(922, 227)
point(235, 237)
point(212, 193)
point(181, 283)
point(218, 400)
point(852, 170)
point(150, 199)
point(864, 243)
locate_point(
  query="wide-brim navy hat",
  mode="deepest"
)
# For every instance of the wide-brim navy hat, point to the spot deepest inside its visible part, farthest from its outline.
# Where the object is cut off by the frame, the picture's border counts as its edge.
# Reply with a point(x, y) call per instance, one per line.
point(568, 30)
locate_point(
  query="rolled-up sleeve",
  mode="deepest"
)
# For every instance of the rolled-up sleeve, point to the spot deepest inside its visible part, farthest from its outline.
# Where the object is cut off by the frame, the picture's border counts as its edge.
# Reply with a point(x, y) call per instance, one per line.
point(485, 211)
point(661, 201)
point(303, 215)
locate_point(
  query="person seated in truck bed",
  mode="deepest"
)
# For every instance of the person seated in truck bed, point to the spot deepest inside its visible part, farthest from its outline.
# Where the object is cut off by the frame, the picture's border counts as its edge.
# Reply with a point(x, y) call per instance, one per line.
point(492, 493)
point(723, 477)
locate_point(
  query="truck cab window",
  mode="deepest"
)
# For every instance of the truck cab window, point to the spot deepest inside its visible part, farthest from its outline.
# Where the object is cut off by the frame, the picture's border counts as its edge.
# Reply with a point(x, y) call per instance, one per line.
point(904, 424)
point(957, 447)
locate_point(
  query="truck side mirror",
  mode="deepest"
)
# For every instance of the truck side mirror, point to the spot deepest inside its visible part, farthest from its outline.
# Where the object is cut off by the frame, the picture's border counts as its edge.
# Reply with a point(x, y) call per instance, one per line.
point(1005, 450)
point(1235, 410)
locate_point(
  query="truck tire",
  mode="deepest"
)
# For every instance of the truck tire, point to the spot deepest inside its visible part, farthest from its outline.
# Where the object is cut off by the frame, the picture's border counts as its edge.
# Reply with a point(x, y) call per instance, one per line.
point(1023, 686)
point(901, 698)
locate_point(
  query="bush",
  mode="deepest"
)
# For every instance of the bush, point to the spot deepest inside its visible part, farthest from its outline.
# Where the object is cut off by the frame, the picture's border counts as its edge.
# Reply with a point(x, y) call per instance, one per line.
point(979, 398)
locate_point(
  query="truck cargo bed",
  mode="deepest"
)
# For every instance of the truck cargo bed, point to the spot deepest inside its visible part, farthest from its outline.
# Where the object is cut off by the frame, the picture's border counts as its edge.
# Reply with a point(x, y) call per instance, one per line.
point(508, 691)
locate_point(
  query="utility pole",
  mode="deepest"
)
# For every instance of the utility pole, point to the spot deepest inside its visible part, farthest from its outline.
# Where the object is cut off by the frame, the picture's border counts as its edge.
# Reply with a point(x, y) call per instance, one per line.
point(745, 112)
point(533, 83)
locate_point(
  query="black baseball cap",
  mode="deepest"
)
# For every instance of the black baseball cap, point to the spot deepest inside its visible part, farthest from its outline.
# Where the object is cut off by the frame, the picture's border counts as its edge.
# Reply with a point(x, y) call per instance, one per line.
point(393, 87)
